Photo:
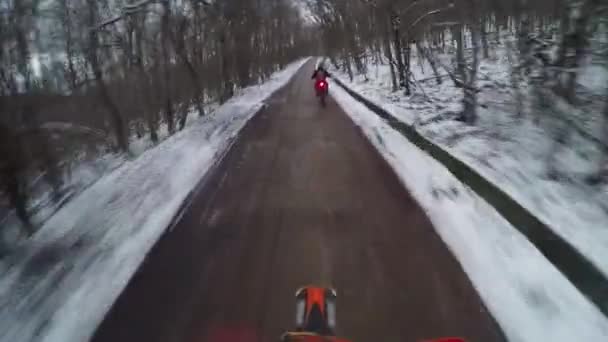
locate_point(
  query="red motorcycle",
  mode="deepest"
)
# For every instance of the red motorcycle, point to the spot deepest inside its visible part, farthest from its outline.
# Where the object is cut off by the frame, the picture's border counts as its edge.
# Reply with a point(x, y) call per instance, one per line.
point(322, 89)
point(316, 317)
point(320, 76)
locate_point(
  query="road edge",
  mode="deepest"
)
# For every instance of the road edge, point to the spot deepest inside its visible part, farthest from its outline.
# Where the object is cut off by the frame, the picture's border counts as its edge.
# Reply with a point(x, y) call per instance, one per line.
point(579, 270)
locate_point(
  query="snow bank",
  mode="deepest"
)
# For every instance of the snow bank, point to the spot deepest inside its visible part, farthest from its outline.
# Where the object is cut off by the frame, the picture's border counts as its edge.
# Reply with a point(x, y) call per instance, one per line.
point(511, 152)
point(60, 285)
point(530, 299)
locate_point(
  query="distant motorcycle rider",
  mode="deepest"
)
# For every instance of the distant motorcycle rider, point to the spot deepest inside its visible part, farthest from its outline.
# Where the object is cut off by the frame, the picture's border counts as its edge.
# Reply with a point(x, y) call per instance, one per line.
point(320, 74)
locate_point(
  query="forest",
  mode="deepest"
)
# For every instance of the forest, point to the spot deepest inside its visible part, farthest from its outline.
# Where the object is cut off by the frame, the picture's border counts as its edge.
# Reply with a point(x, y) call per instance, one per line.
point(547, 47)
point(83, 78)
point(80, 79)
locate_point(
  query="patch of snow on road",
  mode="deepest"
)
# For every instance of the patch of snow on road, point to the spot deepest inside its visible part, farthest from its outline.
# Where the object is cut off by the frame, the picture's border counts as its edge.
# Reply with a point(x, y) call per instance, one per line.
point(59, 285)
point(530, 299)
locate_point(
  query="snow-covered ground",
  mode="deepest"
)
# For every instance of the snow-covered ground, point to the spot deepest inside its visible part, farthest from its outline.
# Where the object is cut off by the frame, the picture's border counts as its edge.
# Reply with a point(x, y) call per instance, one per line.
point(86, 162)
point(530, 299)
point(510, 151)
point(58, 285)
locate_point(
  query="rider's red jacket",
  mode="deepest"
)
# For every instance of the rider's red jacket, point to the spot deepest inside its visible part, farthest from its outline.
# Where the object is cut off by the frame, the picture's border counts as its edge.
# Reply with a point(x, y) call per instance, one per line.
point(320, 74)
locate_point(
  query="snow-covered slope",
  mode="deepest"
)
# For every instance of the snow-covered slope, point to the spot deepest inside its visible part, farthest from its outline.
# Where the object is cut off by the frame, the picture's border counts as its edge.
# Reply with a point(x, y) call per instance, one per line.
point(510, 151)
point(60, 284)
point(530, 299)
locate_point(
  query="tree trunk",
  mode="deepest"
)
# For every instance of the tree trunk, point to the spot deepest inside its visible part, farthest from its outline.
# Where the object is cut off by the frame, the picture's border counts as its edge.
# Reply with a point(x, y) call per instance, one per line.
point(602, 173)
point(71, 73)
point(577, 42)
point(165, 41)
point(225, 79)
point(347, 65)
point(460, 62)
point(180, 47)
point(564, 29)
point(391, 60)
point(396, 21)
point(115, 116)
point(151, 116)
point(419, 57)
point(120, 128)
point(469, 112)
point(484, 37)
point(408, 53)
point(515, 78)
point(427, 55)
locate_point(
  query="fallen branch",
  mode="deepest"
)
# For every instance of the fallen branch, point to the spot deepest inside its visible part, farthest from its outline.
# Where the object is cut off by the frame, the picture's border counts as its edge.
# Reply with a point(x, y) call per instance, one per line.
point(433, 78)
point(128, 9)
point(457, 82)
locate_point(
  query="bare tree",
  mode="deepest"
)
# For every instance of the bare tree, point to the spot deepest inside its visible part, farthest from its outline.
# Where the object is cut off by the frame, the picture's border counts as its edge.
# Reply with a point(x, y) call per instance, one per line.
point(602, 173)
point(469, 73)
point(64, 14)
point(576, 41)
point(389, 56)
point(93, 58)
point(484, 37)
point(166, 64)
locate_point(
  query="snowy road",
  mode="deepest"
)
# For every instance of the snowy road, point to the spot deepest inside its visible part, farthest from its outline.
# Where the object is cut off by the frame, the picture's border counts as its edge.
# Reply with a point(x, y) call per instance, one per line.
point(302, 197)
